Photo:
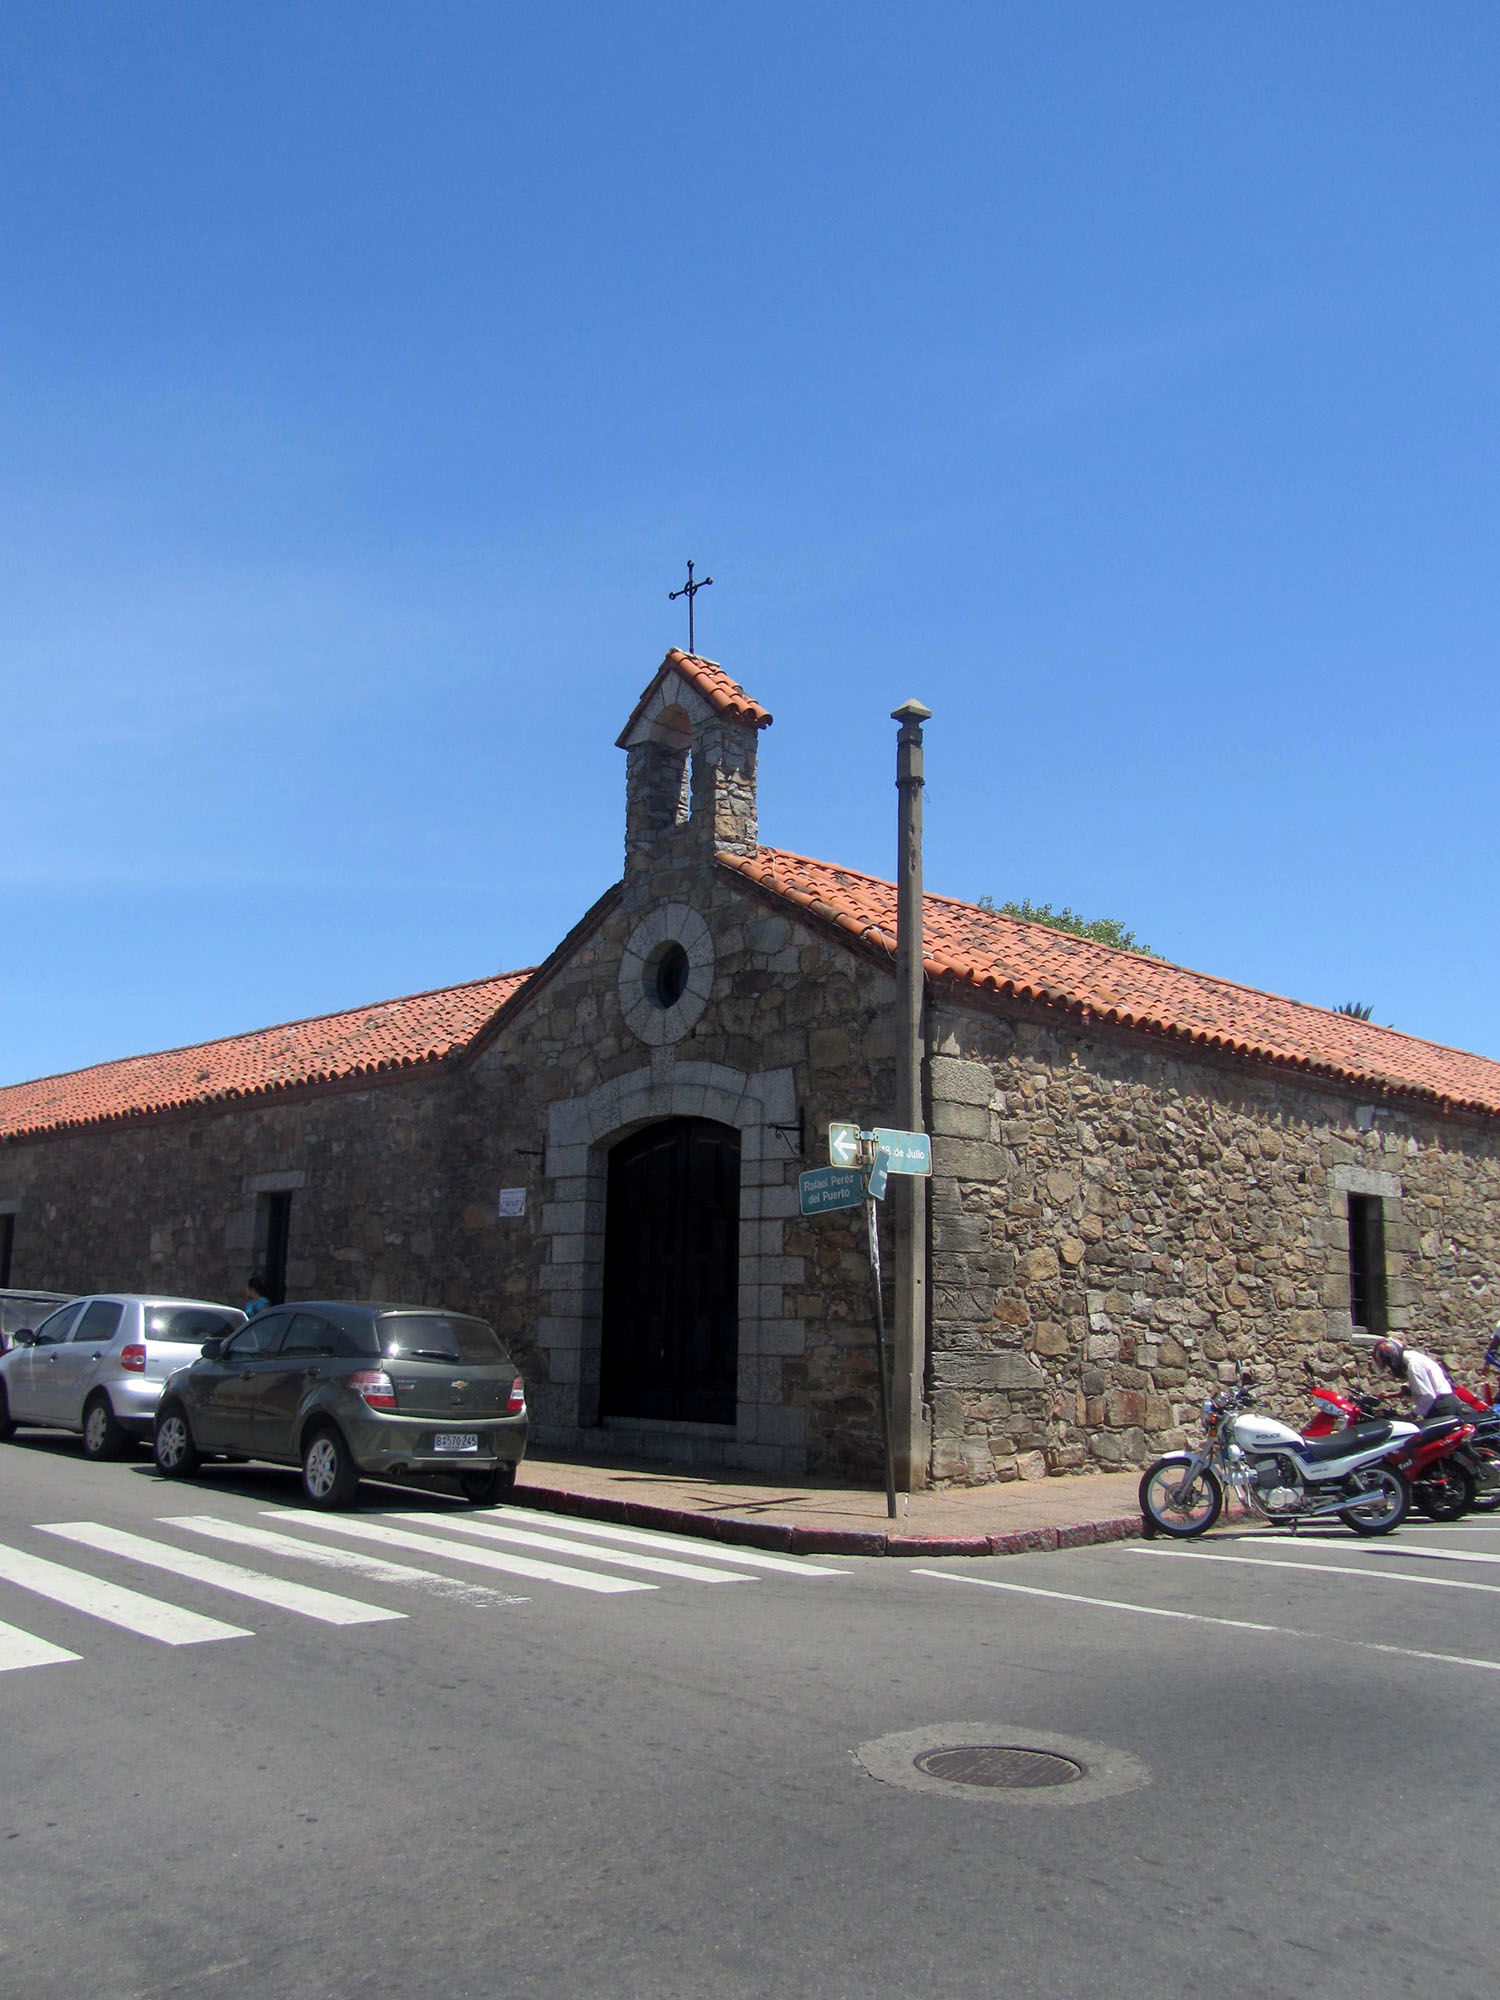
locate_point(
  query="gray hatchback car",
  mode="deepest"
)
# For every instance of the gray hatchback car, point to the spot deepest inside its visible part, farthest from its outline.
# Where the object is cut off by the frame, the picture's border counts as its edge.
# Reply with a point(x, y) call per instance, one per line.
point(344, 1390)
point(97, 1364)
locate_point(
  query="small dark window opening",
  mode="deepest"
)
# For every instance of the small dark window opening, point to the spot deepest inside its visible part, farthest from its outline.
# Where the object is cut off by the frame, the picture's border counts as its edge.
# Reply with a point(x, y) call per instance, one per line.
point(273, 1228)
point(670, 982)
point(1367, 1305)
point(7, 1246)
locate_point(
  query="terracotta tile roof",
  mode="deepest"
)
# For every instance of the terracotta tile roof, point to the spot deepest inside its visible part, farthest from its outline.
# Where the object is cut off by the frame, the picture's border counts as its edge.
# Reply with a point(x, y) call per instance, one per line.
point(711, 681)
point(332, 1048)
point(991, 954)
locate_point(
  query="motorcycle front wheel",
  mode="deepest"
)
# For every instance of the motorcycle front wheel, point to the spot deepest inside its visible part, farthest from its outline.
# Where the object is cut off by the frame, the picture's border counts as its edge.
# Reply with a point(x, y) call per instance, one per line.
point(1486, 1498)
point(1382, 1506)
point(1181, 1497)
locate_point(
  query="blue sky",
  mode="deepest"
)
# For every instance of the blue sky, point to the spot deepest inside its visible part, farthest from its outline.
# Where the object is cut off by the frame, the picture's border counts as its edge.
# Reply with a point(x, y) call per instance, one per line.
point(1120, 380)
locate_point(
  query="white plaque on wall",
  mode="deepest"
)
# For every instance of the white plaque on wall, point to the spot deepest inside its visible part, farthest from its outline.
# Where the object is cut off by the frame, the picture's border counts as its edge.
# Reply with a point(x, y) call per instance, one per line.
point(512, 1202)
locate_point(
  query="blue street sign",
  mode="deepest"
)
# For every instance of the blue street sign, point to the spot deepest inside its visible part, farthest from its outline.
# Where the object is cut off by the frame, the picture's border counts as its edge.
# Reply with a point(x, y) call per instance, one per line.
point(910, 1152)
point(882, 1166)
point(823, 1188)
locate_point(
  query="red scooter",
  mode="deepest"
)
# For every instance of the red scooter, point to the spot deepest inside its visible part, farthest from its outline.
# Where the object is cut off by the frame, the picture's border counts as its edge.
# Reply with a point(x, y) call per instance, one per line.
point(1445, 1474)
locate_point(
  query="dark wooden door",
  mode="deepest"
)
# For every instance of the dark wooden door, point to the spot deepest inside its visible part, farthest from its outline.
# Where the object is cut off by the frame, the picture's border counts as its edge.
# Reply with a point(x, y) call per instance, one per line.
point(670, 1342)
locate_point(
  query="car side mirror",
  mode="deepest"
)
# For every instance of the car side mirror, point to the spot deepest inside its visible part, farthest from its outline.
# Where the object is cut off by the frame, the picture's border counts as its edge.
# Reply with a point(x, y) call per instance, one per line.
point(24, 1336)
point(212, 1349)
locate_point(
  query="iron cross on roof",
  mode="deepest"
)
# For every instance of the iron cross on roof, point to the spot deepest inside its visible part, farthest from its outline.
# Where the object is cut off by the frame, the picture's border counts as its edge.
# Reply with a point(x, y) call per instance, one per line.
point(690, 590)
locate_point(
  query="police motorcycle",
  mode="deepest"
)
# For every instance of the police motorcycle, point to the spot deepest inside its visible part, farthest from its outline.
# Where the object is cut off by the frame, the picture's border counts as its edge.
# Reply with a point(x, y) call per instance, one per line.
point(1277, 1473)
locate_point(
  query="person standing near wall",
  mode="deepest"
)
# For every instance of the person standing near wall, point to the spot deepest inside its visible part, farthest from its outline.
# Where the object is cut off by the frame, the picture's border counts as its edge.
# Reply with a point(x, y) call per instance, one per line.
point(1431, 1389)
point(255, 1295)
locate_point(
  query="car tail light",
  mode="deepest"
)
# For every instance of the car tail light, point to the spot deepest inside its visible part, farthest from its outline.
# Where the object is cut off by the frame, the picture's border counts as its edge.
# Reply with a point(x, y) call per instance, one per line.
point(133, 1358)
point(517, 1401)
point(374, 1387)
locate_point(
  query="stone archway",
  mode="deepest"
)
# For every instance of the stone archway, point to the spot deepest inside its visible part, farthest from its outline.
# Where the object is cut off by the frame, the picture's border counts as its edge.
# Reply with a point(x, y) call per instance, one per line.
point(764, 1432)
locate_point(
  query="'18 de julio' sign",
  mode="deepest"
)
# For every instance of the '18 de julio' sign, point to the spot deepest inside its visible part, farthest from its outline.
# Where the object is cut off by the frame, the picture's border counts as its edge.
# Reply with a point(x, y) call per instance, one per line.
point(906, 1152)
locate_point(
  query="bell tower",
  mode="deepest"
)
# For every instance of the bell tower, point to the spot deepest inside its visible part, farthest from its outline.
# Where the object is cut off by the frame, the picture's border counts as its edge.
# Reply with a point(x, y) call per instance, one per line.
point(690, 749)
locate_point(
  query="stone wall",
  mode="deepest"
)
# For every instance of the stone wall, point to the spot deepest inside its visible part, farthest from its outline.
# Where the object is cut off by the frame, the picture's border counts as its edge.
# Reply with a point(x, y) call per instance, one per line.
point(169, 1205)
point(1114, 1223)
point(396, 1188)
point(775, 1022)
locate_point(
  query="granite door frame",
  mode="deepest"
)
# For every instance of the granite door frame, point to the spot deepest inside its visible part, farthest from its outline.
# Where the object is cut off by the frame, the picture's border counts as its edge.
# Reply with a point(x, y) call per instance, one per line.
point(768, 1434)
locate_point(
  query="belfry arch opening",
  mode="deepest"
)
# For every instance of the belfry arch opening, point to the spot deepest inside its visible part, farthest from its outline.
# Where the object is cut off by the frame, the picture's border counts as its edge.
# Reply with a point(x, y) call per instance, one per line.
point(669, 1338)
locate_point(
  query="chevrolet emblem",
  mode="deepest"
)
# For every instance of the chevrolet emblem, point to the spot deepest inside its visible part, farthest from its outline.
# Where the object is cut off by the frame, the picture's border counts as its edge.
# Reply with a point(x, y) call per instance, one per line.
point(456, 1386)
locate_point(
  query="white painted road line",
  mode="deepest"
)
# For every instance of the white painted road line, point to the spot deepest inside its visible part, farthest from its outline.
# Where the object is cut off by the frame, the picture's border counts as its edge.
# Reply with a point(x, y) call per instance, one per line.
point(428, 1545)
point(20, 1649)
point(324, 1605)
point(499, 1531)
point(1100, 1603)
point(1320, 1569)
point(354, 1562)
point(649, 1538)
point(1202, 1618)
point(146, 1616)
point(1383, 1550)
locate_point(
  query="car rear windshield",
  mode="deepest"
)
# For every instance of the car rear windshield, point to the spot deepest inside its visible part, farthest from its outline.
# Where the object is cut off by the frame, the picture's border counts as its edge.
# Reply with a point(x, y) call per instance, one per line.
point(188, 1324)
point(438, 1337)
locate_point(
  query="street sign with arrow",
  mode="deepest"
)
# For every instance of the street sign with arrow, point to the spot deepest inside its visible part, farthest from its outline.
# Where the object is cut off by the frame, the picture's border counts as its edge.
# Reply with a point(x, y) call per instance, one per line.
point(906, 1152)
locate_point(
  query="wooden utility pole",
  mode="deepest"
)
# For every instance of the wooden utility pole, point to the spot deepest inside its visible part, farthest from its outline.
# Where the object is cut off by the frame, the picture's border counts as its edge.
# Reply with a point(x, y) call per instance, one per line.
point(911, 1421)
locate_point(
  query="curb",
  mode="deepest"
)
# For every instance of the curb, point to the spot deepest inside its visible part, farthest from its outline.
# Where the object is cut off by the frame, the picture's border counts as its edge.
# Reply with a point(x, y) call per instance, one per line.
point(786, 1539)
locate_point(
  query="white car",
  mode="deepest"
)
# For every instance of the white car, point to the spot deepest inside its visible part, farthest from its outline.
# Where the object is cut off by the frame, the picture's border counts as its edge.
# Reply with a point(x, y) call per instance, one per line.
point(97, 1365)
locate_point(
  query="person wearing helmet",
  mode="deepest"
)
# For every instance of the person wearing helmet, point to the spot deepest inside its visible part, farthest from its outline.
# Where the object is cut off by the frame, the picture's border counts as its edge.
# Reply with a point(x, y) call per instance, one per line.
point(1431, 1391)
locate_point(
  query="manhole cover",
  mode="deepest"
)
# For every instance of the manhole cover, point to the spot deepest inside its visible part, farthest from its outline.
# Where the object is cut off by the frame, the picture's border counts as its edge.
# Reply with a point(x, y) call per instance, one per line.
point(1003, 1766)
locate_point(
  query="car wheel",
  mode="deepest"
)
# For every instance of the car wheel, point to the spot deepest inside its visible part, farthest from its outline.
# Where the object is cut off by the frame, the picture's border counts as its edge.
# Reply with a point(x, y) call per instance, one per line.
point(177, 1457)
point(488, 1489)
point(329, 1475)
point(102, 1436)
point(7, 1421)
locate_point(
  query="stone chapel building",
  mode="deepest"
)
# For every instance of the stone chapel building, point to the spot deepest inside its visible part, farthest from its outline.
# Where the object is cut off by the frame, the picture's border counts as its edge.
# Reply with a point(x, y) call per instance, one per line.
point(1139, 1171)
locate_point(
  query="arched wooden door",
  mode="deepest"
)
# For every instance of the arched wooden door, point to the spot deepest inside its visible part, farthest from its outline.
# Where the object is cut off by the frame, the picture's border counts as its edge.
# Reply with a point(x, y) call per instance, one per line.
point(670, 1339)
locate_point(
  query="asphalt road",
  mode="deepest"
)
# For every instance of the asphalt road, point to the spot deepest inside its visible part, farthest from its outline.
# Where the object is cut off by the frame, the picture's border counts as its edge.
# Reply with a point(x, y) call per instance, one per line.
point(418, 1772)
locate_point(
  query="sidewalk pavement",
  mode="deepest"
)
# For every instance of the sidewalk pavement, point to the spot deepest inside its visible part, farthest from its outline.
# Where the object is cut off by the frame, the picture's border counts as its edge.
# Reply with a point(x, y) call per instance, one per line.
point(821, 1517)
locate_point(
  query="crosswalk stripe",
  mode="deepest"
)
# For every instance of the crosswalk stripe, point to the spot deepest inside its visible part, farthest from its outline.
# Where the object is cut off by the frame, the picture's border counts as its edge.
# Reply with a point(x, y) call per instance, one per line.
point(146, 1616)
point(325, 1605)
point(499, 1531)
point(428, 1545)
point(353, 1562)
point(20, 1649)
point(607, 1531)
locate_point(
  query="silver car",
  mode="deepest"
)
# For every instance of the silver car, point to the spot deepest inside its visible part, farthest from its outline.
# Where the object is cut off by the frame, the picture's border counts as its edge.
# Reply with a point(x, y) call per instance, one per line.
point(97, 1365)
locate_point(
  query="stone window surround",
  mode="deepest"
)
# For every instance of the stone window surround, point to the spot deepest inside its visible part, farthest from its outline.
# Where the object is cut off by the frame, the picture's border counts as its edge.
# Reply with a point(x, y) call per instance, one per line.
point(1386, 1188)
point(768, 1435)
point(645, 1016)
point(239, 1223)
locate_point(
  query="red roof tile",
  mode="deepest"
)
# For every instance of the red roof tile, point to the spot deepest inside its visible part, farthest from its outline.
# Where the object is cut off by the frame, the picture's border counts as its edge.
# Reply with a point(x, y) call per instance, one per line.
point(966, 947)
point(1001, 956)
point(711, 681)
point(331, 1048)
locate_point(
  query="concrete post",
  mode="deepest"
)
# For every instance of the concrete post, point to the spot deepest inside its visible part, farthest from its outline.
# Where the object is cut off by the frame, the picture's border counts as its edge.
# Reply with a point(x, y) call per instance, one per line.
point(911, 1420)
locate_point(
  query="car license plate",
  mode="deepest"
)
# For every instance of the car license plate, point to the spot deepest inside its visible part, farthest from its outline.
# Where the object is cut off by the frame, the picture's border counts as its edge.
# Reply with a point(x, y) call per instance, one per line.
point(455, 1441)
